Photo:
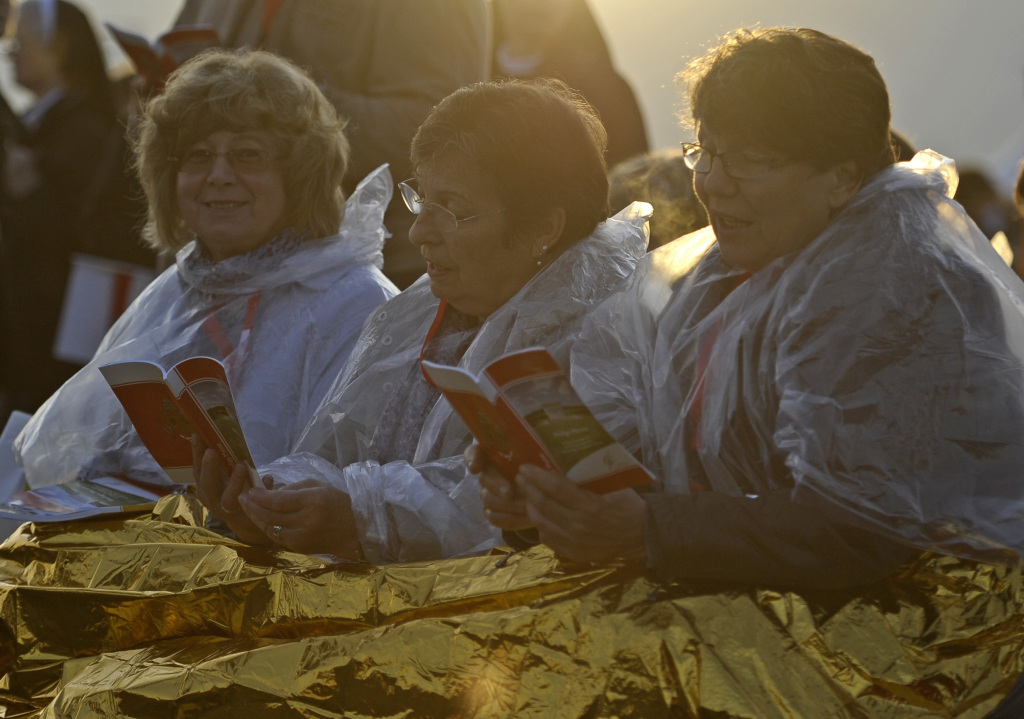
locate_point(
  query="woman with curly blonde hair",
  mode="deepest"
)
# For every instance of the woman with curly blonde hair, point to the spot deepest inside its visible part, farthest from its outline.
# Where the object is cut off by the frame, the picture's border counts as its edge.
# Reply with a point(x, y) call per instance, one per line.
point(241, 159)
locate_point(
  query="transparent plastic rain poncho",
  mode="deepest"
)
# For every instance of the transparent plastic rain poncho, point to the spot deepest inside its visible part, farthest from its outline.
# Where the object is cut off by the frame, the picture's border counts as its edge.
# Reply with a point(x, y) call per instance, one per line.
point(424, 505)
point(878, 373)
point(286, 317)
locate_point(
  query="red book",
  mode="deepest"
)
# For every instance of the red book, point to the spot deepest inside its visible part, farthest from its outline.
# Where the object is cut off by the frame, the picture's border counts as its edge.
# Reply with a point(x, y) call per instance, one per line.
point(522, 410)
point(167, 406)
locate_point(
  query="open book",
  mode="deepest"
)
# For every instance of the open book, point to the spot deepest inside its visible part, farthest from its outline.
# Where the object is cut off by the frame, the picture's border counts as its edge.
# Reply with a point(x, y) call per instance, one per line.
point(167, 406)
point(523, 410)
point(155, 61)
point(81, 498)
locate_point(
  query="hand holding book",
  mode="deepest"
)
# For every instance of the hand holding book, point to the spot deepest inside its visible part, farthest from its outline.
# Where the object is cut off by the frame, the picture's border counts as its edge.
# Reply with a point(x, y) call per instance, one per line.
point(544, 460)
point(522, 409)
point(578, 524)
point(220, 492)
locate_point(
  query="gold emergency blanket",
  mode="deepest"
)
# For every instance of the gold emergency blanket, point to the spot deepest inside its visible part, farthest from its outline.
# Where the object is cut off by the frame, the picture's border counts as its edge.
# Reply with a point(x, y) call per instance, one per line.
point(159, 617)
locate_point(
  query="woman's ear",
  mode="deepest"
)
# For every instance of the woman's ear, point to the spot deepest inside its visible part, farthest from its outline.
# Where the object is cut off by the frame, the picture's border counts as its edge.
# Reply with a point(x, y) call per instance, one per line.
point(846, 181)
point(548, 231)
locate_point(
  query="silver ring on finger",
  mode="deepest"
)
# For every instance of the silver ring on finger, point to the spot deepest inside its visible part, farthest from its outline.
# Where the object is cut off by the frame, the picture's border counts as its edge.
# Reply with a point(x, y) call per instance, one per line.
point(276, 532)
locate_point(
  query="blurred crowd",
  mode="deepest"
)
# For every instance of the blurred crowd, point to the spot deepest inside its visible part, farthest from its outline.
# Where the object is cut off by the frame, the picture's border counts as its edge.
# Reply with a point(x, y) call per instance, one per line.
point(72, 255)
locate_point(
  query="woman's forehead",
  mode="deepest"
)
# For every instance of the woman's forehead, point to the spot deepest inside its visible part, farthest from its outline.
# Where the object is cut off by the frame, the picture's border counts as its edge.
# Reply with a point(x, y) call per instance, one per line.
point(199, 129)
point(233, 135)
point(452, 172)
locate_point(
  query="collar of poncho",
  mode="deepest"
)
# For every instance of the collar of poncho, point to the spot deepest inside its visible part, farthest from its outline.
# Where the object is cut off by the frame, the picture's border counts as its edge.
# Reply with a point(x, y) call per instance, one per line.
point(199, 269)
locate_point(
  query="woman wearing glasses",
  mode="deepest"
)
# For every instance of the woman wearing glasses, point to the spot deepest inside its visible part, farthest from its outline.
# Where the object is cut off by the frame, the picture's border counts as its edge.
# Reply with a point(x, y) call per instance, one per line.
point(242, 159)
point(830, 374)
point(825, 382)
point(511, 196)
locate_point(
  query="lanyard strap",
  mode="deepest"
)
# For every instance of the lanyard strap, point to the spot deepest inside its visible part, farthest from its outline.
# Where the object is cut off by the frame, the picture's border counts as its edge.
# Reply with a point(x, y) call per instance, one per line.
point(438, 318)
point(215, 331)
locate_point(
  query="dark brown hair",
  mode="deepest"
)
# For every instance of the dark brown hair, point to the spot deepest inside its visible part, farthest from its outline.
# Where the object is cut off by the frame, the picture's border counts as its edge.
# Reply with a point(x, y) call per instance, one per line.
point(539, 142)
point(805, 94)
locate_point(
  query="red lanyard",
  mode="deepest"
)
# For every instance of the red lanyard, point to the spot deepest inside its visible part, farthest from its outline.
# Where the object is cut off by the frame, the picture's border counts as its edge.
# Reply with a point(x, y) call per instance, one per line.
point(438, 318)
point(215, 331)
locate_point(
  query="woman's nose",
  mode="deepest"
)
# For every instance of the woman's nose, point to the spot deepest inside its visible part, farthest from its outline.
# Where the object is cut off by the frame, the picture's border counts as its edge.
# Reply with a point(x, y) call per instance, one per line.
point(221, 170)
point(422, 231)
point(717, 181)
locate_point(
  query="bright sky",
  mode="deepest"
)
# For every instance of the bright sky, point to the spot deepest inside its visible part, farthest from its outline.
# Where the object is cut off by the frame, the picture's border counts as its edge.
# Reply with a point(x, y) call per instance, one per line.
point(955, 68)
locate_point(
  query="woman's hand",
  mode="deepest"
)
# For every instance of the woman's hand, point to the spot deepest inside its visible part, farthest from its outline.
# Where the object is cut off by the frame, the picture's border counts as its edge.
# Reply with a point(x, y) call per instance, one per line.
point(582, 525)
point(308, 517)
point(503, 506)
point(576, 523)
point(222, 497)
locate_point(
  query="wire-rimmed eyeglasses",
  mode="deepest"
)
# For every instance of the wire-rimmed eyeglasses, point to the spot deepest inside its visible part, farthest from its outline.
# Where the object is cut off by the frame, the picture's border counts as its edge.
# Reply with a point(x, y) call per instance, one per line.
point(443, 218)
point(737, 165)
point(241, 159)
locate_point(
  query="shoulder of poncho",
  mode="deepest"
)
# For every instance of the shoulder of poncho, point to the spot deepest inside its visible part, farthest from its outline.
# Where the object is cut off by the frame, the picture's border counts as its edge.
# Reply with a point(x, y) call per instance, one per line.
point(416, 301)
point(405, 318)
point(902, 238)
point(589, 270)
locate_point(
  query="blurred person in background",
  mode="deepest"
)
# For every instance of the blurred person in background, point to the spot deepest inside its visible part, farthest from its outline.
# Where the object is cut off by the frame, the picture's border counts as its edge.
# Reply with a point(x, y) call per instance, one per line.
point(382, 64)
point(993, 213)
point(66, 190)
point(561, 39)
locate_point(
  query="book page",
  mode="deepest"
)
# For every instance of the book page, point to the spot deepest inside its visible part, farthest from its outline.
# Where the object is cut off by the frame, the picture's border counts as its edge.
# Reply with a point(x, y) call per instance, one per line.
point(506, 442)
point(201, 388)
point(533, 386)
point(523, 409)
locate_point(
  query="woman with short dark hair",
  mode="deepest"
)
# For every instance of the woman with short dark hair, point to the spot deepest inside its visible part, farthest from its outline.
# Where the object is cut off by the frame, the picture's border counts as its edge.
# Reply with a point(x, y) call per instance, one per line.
point(510, 191)
point(829, 376)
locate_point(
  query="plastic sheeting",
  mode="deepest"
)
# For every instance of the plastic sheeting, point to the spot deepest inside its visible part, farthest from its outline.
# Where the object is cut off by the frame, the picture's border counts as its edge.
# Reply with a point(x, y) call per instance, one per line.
point(425, 506)
point(310, 298)
point(878, 373)
point(159, 617)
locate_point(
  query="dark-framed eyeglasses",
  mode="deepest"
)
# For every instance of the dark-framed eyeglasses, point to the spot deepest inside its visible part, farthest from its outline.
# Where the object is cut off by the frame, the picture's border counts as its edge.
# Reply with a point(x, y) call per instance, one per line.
point(443, 218)
point(241, 159)
point(737, 165)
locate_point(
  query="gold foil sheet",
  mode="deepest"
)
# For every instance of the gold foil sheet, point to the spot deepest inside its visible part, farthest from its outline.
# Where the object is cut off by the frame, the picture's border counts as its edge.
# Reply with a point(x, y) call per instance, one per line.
point(159, 617)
